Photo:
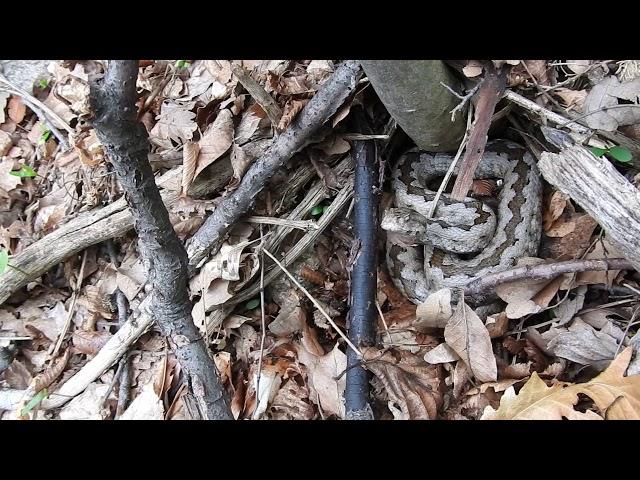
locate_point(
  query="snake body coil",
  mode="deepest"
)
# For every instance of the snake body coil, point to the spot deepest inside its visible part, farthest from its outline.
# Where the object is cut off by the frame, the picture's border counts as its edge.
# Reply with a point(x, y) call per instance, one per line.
point(465, 239)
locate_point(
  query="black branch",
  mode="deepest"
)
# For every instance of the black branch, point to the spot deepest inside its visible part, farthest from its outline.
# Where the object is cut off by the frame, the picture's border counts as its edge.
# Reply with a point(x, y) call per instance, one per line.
point(363, 276)
point(126, 144)
point(303, 131)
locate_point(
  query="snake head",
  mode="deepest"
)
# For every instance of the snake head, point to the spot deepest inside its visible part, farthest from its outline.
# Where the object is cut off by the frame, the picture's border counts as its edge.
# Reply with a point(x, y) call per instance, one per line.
point(406, 222)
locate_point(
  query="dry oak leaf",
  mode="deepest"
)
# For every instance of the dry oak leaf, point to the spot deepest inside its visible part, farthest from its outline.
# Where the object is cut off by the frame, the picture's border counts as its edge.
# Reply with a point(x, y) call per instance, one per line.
point(175, 122)
point(617, 396)
point(468, 337)
point(411, 384)
point(215, 141)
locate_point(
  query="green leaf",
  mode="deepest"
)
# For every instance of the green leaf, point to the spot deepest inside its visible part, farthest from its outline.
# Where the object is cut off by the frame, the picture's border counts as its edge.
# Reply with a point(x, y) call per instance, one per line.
point(25, 172)
point(598, 152)
point(182, 64)
point(621, 154)
point(251, 304)
point(45, 136)
point(43, 83)
point(4, 260)
point(317, 210)
point(38, 397)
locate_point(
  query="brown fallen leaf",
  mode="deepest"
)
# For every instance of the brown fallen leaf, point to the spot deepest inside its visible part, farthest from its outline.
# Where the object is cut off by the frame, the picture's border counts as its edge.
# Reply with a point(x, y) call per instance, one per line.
point(90, 342)
point(414, 386)
point(323, 373)
point(291, 403)
point(216, 140)
point(16, 109)
point(468, 337)
point(617, 396)
point(289, 112)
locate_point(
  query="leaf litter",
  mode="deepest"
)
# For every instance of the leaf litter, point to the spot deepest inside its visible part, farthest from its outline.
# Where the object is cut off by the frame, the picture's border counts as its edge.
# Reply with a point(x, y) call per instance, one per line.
point(551, 343)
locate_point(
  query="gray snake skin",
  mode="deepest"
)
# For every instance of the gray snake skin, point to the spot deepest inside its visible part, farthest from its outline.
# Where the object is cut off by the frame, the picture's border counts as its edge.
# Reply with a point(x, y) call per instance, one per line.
point(465, 239)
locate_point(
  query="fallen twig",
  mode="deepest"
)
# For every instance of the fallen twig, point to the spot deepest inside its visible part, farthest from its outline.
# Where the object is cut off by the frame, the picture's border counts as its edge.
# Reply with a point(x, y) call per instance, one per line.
point(322, 106)
point(488, 97)
point(126, 143)
point(544, 272)
point(259, 94)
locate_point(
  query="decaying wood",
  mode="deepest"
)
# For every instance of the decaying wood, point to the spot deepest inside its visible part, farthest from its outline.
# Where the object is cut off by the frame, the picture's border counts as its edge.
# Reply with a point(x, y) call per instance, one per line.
point(126, 143)
point(488, 97)
point(299, 134)
point(259, 94)
point(602, 191)
point(544, 272)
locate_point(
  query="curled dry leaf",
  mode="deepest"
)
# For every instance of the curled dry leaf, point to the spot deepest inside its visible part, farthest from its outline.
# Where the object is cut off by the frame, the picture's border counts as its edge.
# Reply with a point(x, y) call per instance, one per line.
point(414, 387)
point(519, 294)
point(468, 337)
point(215, 141)
point(572, 99)
point(189, 162)
point(292, 403)
point(7, 181)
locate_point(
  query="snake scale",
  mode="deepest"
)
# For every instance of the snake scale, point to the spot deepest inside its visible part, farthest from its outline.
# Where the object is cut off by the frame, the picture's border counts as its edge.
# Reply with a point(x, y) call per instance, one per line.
point(467, 239)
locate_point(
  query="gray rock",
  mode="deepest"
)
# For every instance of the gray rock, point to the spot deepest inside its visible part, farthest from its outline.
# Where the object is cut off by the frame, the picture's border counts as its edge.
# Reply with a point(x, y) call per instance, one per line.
point(412, 93)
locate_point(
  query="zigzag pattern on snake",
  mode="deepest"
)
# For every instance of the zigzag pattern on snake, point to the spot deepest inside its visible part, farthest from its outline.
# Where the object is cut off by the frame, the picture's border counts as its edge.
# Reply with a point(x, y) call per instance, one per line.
point(425, 255)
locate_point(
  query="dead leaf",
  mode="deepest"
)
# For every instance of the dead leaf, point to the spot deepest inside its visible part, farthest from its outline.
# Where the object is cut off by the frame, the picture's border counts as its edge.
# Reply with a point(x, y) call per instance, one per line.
point(4, 96)
point(323, 372)
point(472, 69)
point(90, 342)
point(7, 181)
point(289, 112)
point(536, 401)
point(291, 402)
point(468, 337)
point(16, 109)
point(583, 344)
point(435, 311)
point(414, 387)
point(249, 122)
point(175, 122)
point(497, 324)
point(607, 94)
point(579, 66)
point(602, 249)
point(443, 353)
point(87, 405)
point(554, 208)
point(572, 99)
point(215, 141)
point(189, 162)
point(617, 396)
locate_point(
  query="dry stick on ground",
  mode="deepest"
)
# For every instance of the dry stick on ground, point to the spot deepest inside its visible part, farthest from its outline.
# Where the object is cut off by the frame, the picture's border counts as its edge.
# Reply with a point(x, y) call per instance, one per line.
point(543, 272)
point(488, 97)
point(302, 131)
point(322, 106)
point(259, 94)
point(126, 144)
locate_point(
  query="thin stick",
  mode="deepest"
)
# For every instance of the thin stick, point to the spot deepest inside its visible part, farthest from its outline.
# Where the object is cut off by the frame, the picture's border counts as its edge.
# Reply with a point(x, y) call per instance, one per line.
point(626, 331)
point(314, 301)
point(544, 113)
point(452, 167)
point(305, 225)
point(263, 323)
point(67, 322)
point(384, 322)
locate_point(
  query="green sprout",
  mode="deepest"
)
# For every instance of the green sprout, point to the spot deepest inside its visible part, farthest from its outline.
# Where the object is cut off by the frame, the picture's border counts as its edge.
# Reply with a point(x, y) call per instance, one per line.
point(43, 83)
point(25, 172)
point(45, 136)
point(618, 153)
point(182, 64)
point(4, 263)
point(41, 395)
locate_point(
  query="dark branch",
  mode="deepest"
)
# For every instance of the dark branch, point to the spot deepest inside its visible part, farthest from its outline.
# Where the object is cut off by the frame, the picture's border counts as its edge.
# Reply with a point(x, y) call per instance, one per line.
point(300, 133)
point(126, 143)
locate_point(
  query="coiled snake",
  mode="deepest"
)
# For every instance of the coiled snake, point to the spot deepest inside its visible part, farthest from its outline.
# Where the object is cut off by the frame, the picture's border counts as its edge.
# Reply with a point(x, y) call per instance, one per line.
point(464, 239)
